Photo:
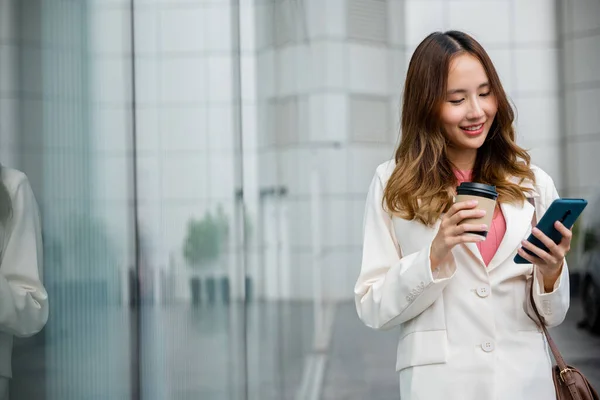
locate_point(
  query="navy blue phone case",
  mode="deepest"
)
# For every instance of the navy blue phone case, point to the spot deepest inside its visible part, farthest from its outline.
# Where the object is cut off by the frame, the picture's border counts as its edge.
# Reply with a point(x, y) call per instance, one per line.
point(564, 210)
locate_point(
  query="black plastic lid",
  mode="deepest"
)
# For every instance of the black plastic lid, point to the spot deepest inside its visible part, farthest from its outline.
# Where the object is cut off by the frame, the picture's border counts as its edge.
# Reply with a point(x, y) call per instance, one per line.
point(478, 189)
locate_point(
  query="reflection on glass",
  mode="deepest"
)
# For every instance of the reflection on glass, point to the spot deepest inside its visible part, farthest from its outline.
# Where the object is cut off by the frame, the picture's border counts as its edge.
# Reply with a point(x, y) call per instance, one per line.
point(72, 139)
point(23, 298)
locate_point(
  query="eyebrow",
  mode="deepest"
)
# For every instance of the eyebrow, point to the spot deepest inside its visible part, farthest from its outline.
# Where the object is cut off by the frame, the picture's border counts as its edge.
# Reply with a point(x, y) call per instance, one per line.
point(454, 91)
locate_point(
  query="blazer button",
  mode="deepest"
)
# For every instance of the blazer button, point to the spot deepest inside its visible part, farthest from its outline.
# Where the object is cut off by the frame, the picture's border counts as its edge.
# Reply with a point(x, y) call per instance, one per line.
point(487, 346)
point(483, 291)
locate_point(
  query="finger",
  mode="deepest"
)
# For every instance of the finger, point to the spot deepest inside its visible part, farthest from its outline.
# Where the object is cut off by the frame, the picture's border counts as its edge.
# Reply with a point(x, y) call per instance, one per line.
point(457, 207)
point(465, 214)
point(543, 255)
point(469, 238)
point(462, 205)
point(566, 233)
point(549, 243)
point(564, 245)
point(464, 228)
point(527, 256)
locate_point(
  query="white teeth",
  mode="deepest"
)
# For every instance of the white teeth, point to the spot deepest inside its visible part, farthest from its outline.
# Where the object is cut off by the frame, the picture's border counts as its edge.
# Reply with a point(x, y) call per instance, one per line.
point(473, 128)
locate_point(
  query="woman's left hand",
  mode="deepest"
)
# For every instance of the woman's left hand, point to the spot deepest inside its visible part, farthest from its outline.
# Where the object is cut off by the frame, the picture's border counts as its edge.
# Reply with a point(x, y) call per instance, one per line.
point(549, 263)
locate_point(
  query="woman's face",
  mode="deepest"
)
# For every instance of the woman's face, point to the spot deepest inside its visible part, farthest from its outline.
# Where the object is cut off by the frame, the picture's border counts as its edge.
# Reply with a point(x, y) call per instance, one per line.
point(469, 107)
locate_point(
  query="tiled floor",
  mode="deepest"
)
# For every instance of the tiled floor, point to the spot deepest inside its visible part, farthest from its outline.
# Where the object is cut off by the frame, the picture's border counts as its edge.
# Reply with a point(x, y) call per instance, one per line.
point(361, 361)
point(187, 353)
point(194, 353)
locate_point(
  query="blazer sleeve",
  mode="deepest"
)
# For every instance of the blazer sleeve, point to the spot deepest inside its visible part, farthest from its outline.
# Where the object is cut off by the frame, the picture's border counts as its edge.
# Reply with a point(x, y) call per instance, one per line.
point(552, 306)
point(23, 299)
point(391, 288)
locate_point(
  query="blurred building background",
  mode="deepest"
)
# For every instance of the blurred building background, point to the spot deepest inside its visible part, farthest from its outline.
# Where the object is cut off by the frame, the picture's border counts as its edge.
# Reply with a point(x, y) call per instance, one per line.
point(202, 165)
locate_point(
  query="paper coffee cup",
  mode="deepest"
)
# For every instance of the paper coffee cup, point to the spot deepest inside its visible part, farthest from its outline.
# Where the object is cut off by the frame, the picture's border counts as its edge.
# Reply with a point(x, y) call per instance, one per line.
point(486, 196)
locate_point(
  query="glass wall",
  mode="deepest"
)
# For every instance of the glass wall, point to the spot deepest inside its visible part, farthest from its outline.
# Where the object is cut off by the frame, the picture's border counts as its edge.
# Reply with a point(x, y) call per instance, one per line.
point(72, 136)
point(162, 250)
point(192, 336)
point(201, 168)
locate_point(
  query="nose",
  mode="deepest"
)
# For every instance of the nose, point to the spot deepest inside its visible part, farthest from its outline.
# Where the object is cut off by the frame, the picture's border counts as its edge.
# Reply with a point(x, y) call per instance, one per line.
point(475, 110)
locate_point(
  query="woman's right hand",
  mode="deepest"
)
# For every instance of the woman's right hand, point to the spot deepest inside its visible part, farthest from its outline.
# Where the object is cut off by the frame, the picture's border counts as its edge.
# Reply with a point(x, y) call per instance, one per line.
point(451, 233)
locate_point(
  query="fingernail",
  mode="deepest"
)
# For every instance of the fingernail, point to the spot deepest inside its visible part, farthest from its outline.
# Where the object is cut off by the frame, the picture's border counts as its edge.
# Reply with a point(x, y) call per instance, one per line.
point(484, 226)
point(473, 202)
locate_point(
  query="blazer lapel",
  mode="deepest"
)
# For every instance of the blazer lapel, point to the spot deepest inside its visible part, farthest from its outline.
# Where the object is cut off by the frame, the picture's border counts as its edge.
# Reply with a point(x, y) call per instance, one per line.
point(474, 250)
point(518, 223)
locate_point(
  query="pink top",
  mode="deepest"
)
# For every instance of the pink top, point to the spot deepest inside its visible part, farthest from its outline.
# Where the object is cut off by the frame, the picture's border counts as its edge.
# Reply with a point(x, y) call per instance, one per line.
point(489, 246)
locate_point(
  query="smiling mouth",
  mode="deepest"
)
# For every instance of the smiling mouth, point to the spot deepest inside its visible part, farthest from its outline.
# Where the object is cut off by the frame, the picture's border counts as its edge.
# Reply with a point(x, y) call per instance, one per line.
point(472, 128)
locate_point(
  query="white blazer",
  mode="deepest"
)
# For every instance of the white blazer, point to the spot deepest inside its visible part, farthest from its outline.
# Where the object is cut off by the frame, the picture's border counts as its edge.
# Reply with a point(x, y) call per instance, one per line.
point(23, 299)
point(464, 331)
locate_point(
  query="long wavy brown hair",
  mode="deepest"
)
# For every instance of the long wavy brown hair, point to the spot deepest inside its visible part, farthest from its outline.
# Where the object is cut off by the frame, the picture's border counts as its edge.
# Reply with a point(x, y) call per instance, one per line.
point(423, 182)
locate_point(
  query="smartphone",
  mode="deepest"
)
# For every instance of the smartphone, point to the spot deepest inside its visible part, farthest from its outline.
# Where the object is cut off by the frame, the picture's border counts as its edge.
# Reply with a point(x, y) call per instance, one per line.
point(564, 210)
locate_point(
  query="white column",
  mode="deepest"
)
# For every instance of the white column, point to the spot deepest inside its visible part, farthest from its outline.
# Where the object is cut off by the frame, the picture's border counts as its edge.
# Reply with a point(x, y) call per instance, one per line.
point(249, 100)
point(270, 278)
point(317, 245)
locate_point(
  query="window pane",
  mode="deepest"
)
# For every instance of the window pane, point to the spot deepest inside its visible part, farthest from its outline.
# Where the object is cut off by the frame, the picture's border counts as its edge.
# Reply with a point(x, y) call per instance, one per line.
point(72, 137)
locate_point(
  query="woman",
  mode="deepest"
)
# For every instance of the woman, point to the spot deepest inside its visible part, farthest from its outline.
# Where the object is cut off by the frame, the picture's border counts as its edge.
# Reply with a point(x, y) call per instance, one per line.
point(458, 298)
point(23, 299)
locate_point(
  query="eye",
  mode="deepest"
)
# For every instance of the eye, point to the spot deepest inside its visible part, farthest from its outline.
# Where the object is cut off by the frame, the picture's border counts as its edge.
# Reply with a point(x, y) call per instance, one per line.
point(486, 94)
point(456, 101)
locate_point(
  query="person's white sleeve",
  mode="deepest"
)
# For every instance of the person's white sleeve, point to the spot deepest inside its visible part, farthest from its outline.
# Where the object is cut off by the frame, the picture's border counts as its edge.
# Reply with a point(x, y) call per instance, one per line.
point(552, 306)
point(392, 289)
point(23, 299)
